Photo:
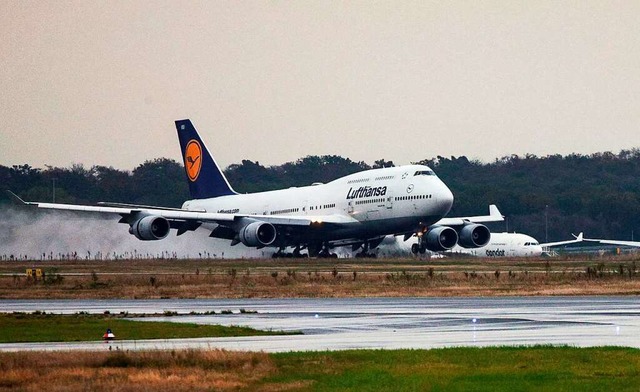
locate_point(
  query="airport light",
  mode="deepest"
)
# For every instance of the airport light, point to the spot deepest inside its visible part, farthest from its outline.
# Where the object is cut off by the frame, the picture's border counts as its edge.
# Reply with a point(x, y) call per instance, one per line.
point(546, 223)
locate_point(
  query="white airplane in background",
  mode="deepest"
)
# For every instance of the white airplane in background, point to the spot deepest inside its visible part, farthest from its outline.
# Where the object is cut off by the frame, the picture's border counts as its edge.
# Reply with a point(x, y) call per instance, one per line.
point(357, 210)
point(500, 245)
point(505, 245)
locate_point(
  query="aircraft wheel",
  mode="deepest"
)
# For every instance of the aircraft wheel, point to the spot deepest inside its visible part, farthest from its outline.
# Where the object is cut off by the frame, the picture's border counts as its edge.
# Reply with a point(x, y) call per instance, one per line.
point(414, 249)
point(333, 256)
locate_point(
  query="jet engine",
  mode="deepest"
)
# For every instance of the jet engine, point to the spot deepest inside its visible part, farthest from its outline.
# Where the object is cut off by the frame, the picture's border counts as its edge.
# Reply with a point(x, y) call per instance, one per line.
point(474, 235)
point(258, 234)
point(441, 238)
point(150, 228)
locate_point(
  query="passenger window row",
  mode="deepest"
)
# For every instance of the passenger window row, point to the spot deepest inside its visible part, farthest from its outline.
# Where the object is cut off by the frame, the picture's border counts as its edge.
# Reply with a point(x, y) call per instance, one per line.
point(287, 211)
point(332, 205)
point(359, 180)
point(359, 202)
point(413, 197)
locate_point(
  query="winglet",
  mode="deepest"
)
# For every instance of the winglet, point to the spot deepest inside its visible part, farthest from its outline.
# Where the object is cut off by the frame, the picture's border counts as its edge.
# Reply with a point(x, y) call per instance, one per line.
point(577, 237)
point(16, 198)
point(493, 211)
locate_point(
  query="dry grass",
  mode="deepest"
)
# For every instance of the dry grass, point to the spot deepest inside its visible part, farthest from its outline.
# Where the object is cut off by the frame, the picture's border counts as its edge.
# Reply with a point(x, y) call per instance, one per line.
point(190, 370)
point(492, 368)
point(614, 275)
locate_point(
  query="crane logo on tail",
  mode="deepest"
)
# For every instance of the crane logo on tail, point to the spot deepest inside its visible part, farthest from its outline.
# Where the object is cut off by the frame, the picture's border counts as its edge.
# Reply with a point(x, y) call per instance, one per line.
point(193, 159)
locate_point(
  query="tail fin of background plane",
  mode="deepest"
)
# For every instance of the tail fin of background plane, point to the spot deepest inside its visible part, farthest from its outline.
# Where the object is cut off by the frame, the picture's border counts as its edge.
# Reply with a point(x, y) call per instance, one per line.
point(205, 178)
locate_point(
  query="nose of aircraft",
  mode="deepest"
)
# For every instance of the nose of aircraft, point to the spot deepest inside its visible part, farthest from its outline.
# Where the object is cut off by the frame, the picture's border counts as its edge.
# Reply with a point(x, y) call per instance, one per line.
point(536, 251)
point(445, 199)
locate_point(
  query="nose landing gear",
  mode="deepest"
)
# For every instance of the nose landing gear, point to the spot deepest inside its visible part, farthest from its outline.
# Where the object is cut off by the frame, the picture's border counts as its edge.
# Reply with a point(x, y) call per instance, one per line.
point(421, 246)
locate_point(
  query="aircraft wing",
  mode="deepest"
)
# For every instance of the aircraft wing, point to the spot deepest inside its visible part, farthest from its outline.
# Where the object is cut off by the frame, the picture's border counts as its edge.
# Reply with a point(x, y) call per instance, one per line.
point(494, 216)
point(578, 238)
point(614, 242)
point(177, 215)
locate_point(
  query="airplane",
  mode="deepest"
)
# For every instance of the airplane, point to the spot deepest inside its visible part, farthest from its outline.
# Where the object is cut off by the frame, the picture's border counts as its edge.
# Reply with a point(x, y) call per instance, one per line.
point(500, 245)
point(357, 210)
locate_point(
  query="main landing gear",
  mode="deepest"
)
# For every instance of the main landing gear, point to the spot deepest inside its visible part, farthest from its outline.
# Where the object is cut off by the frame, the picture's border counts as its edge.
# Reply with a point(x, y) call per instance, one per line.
point(281, 254)
point(325, 254)
point(321, 251)
point(365, 252)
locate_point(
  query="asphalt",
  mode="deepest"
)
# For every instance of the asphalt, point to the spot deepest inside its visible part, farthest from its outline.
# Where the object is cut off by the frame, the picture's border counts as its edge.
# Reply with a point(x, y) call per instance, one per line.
point(369, 323)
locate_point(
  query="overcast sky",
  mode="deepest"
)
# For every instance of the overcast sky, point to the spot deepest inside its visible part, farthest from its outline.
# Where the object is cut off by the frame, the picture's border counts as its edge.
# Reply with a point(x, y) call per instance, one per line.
point(101, 83)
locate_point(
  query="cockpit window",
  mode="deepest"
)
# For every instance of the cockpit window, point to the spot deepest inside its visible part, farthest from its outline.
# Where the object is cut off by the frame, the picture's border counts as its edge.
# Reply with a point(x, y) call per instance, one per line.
point(424, 173)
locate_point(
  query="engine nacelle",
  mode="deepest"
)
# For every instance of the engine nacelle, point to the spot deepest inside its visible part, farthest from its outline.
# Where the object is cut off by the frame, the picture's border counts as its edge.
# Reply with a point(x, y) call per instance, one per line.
point(441, 238)
point(258, 234)
point(150, 228)
point(474, 235)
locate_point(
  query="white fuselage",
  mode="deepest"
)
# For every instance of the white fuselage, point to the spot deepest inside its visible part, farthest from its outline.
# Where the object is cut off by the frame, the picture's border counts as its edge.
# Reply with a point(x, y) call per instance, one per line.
point(505, 245)
point(373, 202)
point(500, 245)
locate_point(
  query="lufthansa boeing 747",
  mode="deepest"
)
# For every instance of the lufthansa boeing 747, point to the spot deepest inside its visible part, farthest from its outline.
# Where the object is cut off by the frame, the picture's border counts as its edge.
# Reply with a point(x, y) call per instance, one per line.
point(357, 210)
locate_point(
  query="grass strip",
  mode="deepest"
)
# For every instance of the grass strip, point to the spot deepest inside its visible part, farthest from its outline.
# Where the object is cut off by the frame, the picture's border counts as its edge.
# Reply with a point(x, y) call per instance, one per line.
point(462, 369)
point(19, 327)
point(539, 368)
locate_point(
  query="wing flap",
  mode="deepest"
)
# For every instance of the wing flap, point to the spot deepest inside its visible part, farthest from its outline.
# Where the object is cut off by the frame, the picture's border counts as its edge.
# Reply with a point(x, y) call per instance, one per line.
point(138, 206)
point(81, 208)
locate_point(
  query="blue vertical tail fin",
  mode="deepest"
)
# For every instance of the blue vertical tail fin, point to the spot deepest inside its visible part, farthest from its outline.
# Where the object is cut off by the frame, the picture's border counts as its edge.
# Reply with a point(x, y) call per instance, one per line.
point(205, 178)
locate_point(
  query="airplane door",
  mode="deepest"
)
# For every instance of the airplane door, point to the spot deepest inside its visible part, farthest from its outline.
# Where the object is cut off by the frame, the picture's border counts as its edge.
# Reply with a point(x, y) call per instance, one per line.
point(372, 215)
point(350, 207)
point(389, 202)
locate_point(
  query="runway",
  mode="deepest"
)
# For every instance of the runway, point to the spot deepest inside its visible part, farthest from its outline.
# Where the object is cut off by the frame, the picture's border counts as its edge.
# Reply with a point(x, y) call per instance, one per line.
point(370, 323)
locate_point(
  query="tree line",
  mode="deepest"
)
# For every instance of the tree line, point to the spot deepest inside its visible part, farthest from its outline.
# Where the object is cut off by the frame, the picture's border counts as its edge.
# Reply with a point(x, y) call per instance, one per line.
point(546, 197)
